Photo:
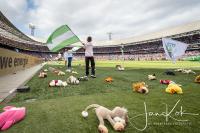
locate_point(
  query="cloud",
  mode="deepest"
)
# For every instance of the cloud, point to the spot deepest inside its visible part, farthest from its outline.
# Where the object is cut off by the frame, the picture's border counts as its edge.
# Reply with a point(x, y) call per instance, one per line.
point(96, 18)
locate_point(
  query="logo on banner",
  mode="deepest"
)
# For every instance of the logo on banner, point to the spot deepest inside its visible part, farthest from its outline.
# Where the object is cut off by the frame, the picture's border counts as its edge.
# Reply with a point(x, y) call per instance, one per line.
point(171, 49)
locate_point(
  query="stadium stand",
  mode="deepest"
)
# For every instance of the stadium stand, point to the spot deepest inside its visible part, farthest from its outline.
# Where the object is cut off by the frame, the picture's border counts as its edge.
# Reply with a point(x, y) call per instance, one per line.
point(146, 47)
point(13, 39)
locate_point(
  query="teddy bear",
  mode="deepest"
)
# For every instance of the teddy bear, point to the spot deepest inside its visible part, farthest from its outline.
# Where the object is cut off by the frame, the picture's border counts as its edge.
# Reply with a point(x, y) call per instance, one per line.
point(10, 116)
point(60, 83)
point(118, 117)
point(60, 73)
point(174, 89)
point(72, 80)
point(152, 77)
point(119, 67)
point(140, 87)
point(197, 79)
point(109, 79)
point(42, 75)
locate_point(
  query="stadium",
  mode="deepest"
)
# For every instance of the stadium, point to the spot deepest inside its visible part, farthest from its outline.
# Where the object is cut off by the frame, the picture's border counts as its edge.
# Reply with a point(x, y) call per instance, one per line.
point(58, 109)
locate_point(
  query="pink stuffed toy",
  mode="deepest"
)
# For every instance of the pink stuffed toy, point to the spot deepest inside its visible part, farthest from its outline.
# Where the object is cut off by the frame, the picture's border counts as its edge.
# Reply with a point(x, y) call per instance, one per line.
point(10, 116)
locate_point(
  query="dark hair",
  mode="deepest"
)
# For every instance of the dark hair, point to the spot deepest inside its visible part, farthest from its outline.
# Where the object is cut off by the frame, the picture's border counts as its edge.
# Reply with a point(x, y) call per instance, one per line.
point(89, 38)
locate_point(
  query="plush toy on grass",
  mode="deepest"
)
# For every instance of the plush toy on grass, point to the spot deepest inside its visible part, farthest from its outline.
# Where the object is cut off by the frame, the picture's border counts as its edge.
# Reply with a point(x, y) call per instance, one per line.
point(197, 79)
point(187, 71)
point(45, 70)
point(42, 75)
point(57, 83)
point(152, 77)
point(169, 72)
point(10, 116)
point(118, 117)
point(174, 89)
point(109, 79)
point(60, 73)
point(140, 87)
point(84, 78)
point(119, 67)
point(165, 81)
point(72, 80)
point(74, 72)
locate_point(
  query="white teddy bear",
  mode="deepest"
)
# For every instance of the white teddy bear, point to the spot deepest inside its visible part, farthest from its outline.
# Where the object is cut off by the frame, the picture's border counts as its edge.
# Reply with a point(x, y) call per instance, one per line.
point(57, 83)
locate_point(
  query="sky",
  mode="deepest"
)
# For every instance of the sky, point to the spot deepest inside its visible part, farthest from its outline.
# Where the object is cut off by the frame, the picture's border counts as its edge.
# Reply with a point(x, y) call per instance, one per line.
point(123, 18)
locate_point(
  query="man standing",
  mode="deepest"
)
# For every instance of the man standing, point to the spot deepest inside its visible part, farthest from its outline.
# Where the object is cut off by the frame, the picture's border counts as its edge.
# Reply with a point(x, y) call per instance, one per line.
point(89, 58)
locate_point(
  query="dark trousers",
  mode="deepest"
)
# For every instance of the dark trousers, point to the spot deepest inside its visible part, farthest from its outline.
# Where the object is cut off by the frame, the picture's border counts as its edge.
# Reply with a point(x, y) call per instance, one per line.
point(87, 61)
point(69, 62)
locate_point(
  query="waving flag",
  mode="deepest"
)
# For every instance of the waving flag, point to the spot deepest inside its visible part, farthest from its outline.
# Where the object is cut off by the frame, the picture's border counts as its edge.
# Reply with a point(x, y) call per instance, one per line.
point(174, 49)
point(60, 38)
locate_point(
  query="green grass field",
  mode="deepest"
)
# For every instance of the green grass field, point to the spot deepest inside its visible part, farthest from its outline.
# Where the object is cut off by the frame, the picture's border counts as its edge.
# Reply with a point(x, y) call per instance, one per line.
point(58, 110)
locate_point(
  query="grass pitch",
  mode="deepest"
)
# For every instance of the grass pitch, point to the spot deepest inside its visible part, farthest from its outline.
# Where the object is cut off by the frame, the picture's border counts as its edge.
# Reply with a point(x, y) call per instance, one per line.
point(58, 110)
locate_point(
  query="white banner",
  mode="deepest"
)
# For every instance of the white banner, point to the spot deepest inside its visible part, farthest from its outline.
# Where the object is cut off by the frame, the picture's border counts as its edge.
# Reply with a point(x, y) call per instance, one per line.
point(174, 49)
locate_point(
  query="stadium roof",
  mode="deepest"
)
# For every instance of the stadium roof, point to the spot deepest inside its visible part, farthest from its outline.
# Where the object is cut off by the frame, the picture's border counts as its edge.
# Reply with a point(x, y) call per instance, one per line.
point(194, 26)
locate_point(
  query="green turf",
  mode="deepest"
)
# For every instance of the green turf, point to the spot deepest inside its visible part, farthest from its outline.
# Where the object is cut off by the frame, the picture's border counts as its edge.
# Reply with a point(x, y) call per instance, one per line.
point(58, 110)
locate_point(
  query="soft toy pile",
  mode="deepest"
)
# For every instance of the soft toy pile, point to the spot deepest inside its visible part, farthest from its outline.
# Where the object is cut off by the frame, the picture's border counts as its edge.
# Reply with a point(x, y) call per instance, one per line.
point(42, 75)
point(10, 116)
point(72, 80)
point(197, 79)
point(174, 89)
point(57, 83)
point(118, 117)
point(109, 79)
point(152, 77)
point(187, 71)
point(140, 87)
point(119, 68)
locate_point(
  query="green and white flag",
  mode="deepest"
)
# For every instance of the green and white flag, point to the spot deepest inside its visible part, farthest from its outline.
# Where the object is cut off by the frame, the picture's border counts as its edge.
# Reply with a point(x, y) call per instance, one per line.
point(60, 38)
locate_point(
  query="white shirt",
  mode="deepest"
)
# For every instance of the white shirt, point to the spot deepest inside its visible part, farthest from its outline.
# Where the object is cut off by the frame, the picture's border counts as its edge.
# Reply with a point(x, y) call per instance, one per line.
point(68, 54)
point(88, 49)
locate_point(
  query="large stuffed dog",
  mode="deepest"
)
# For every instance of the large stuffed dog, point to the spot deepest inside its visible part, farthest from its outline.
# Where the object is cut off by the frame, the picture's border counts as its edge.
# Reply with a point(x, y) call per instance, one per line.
point(118, 117)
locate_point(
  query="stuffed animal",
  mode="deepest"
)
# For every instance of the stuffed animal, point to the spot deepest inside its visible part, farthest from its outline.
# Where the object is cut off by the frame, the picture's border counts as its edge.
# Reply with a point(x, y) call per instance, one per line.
point(85, 78)
point(119, 67)
point(187, 71)
point(197, 79)
point(168, 72)
point(174, 89)
point(45, 70)
point(53, 70)
point(140, 87)
point(152, 77)
point(109, 79)
point(74, 72)
point(118, 117)
point(68, 70)
point(60, 83)
point(42, 75)
point(10, 116)
point(165, 81)
point(60, 73)
point(73, 80)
